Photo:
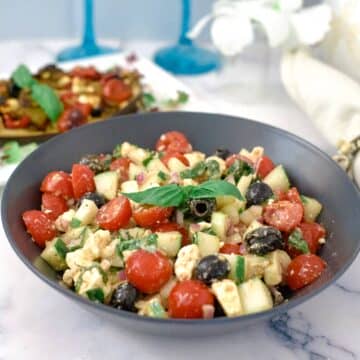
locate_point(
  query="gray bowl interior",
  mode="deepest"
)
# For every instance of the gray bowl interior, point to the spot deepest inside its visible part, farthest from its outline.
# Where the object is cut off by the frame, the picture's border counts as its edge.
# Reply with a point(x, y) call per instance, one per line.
point(312, 171)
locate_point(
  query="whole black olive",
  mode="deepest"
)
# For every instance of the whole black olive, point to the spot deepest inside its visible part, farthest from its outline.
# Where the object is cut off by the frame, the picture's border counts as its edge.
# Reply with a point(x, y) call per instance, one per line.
point(257, 193)
point(212, 268)
point(14, 90)
point(202, 208)
point(96, 112)
point(264, 240)
point(222, 153)
point(96, 163)
point(124, 297)
point(98, 199)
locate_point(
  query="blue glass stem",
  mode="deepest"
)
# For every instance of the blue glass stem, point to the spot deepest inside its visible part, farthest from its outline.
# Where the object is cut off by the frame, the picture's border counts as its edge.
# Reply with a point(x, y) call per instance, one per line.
point(185, 26)
point(89, 33)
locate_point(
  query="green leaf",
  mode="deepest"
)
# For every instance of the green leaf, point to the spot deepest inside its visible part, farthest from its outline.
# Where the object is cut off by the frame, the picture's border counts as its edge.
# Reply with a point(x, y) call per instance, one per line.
point(297, 241)
point(148, 159)
point(148, 100)
point(162, 176)
point(213, 169)
point(96, 295)
point(240, 269)
point(239, 168)
point(214, 188)
point(117, 151)
point(181, 98)
point(61, 248)
point(48, 100)
point(194, 172)
point(167, 195)
point(151, 240)
point(22, 77)
point(75, 223)
point(12, 152)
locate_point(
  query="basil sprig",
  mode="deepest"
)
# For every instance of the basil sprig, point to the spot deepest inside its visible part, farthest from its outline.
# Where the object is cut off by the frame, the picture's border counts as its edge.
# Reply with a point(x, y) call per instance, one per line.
point(297, 241)
point(43, 94)
point(175, 195)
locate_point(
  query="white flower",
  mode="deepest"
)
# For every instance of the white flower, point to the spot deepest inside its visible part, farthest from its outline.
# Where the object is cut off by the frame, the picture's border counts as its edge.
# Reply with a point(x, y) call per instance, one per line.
point(283, 22)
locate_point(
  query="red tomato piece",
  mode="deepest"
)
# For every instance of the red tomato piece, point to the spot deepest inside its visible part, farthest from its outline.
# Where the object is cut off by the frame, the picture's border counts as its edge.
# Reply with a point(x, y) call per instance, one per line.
point(150, 216)
point(167, 156)
point(16, 123)
point(312, 232)
point(231, 249)
point(173, 227)
point(284, 215)
point(115, 214)
point(264, 166)
point(84, 108)
point(85, 72)
point(39, 226)
point(121, 165)
point(82, 180)
point(148, 271)
point(173, 142)
point(303, 270)
point(187, 298)
point(115, 90)
point(294, 196)
point(70, 118)
point(58, 183)
point(53, 206)
point(68, 98)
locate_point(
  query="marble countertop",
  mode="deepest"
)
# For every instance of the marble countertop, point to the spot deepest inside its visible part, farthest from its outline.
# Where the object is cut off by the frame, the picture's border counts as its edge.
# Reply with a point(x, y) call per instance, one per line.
point(37, 323)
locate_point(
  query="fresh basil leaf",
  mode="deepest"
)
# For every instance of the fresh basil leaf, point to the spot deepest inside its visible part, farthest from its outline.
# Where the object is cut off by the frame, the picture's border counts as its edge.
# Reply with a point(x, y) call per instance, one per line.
point(22, 77)
point(96, 295)
point(194, 172)
point(48, 100)
point(75, 223)
point(297, 241)
point(167, 195)
point(61, 248)
point(214, 188)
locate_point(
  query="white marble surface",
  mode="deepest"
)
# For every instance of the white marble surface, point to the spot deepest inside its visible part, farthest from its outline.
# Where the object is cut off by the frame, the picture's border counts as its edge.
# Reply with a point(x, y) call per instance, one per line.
point(37, 323)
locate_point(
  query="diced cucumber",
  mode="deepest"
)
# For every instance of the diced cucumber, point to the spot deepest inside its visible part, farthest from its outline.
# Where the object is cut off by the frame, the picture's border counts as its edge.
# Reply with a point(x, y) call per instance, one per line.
point(220, 224)
point(194, 157)
point(54, 254)
point(134, 171)
point(208, 244)
point(166, 289)
point(255, 296)
point(169, 242)
point(277, 179)
point(255, 266)
point(106, 184)
point(251, 214)
point(175, 165)
point(138, 155)
point(233, 210)
point(244, 184)
point(275, 271)
point(129, 186)
point(157, 165)
point(227, 294)
point(86, 212)
point(201, 226)
point(312, 208)
point(237, 267)
point(156, 310)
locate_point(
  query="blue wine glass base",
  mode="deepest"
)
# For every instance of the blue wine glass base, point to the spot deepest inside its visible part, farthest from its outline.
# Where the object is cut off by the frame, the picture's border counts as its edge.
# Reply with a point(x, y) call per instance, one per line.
point(79, 52)
point(187, 59)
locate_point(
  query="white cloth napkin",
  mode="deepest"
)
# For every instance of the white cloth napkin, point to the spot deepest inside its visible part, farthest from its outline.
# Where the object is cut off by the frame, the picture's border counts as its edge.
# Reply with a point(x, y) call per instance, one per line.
point(330, 98)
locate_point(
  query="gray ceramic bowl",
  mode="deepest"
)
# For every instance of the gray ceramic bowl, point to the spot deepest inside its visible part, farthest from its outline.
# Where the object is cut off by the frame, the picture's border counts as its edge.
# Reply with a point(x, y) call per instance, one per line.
point(310, 169)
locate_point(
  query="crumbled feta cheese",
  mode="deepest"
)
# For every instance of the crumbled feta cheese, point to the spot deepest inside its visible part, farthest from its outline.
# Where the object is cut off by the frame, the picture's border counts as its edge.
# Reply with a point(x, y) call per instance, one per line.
point(62, 223)
point(186, 261)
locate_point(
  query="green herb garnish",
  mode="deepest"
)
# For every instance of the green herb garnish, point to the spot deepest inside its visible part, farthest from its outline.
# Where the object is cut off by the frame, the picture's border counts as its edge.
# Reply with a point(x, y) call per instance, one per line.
point(213, 169)
point(239, 168)
point(162, 176)
point(75, 223)
point(96, 295)
point(198, 170)
point(297, 241)
point(148, 100)
point(61, 248)
point(175, 195)
point(148, 159)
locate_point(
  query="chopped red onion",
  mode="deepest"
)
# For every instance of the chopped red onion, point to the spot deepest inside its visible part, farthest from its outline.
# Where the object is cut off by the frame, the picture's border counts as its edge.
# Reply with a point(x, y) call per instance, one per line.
point(195, 227)
point(208, 311)
point(174, 178)
point(140, 178)
point(122, 275)
point(179, 216)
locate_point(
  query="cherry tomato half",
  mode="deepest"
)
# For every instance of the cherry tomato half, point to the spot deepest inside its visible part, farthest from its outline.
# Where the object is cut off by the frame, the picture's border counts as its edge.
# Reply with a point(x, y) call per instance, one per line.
point(53, 206)
point(148, 271)
point(115, 214)
point(85, 72)
point(173, 142)
point(39, 226)
point(169, 155)
point(115, 90)
point(58, 183)
point(150, 216)
point(187, 298)
point(312, 232)
point(121, 165)
point(294, 196)
point(82, 180)
point(231, 249)
point(16, 123)
point(283, 215)
point(173, 227)
point(264, 166)
point(303, 270)
point(70, 118)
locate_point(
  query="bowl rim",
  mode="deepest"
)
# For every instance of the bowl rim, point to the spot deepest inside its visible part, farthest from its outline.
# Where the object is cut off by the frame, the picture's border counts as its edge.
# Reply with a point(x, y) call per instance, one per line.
point(193, 322)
